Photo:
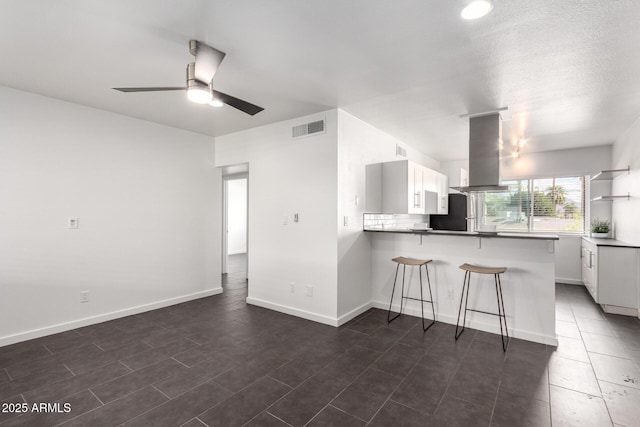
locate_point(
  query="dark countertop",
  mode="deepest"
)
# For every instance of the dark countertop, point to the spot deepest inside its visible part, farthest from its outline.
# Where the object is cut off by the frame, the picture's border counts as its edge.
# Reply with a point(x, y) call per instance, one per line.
point(470, 234)
point(610, 242)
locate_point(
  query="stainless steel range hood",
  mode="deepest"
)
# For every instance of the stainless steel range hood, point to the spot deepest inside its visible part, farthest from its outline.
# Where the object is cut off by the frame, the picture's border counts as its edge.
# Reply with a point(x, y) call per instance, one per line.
point(485, 133)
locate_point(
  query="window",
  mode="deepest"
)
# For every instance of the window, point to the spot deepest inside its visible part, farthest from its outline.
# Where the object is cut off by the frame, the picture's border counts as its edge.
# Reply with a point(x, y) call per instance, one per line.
point(538, 205)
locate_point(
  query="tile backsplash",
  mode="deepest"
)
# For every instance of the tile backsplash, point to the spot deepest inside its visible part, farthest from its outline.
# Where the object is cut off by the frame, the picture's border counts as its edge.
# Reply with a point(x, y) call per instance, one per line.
point(392, 221)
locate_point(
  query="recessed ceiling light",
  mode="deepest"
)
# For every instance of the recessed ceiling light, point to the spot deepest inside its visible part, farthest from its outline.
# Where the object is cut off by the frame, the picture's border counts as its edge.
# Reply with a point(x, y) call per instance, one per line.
point(477, 9)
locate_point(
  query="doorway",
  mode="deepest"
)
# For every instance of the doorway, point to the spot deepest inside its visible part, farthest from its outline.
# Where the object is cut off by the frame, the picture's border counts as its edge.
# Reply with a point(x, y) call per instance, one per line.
point(236, 230)
point(235, 242)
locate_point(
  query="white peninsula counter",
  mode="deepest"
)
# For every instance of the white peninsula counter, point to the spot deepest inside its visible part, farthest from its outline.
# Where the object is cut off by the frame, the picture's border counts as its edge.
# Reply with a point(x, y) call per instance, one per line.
point(528, 285)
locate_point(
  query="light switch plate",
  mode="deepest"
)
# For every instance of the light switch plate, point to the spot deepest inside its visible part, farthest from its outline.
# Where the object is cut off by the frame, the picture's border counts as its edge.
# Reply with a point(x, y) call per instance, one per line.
point(72, 222)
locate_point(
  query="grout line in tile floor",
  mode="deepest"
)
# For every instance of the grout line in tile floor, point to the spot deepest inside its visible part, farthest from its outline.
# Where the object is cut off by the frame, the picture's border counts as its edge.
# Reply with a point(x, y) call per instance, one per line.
point(72, 373)
point(495, 401)
point(94, 395)
point(273, 417)
point(174, 358)
point(159, 391)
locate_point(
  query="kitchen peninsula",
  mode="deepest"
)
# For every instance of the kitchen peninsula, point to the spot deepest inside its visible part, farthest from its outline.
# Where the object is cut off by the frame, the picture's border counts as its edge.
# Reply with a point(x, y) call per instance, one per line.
point(528, 285)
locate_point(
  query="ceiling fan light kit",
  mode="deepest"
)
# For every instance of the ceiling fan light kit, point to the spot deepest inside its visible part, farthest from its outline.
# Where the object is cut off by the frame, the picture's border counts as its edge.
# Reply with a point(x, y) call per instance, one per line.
point(476, 9)
point(199, 95)
point(199, 81)
point(197, 91)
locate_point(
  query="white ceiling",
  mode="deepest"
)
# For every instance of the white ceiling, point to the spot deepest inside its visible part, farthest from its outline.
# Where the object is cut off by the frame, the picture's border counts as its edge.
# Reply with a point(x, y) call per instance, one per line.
point(568, 70)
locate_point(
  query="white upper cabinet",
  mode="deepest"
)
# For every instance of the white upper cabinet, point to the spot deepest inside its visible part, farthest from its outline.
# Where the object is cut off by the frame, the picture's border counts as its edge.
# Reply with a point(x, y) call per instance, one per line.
point(405, 187)
point(443, 194)
point(402, 188)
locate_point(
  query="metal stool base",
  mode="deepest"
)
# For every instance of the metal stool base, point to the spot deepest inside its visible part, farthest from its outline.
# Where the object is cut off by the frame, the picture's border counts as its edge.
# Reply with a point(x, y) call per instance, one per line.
point(421, 299)
point(504, 336)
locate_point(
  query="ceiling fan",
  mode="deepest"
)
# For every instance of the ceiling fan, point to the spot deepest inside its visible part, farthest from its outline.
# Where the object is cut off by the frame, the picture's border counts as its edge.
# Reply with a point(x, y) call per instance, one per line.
point(199, 81)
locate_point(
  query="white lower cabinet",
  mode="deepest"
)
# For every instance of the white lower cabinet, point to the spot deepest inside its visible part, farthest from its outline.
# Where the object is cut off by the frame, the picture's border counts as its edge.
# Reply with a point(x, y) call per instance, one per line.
point(610, 272)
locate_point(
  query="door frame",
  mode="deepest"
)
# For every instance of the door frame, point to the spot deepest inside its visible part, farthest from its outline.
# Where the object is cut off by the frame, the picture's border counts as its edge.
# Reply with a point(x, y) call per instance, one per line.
point(225, 218)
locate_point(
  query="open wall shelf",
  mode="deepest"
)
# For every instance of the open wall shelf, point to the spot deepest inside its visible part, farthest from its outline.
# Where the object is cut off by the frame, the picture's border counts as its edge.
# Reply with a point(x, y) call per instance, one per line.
point(610, 198)
point(606, 175)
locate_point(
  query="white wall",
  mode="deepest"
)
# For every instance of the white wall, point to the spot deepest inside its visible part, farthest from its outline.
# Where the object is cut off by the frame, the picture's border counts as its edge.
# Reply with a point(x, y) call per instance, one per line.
point(237, 219)
point(148, 202)
point(573, 162)
point(626, 152)
point(290, 176)
point(359, 144)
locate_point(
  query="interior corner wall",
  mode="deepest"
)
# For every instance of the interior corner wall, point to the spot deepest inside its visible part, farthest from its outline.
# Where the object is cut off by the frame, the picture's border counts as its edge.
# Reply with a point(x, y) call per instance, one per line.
point(359, 144)
point(290, 176)
point(147, 199)
point(626, 152)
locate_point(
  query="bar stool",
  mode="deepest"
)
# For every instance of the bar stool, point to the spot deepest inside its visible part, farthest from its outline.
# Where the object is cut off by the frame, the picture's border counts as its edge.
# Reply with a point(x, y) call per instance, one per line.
point(496, 271)
point(412, 262)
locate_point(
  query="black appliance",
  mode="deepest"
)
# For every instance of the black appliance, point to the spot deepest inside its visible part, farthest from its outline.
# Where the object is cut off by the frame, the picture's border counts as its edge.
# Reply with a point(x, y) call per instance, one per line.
point(456, 219)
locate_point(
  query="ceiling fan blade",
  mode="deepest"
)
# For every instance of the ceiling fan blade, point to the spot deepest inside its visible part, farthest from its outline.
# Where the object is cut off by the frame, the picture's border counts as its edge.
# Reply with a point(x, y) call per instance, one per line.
point(239, 104)
point(148, 89)
point(208, 60)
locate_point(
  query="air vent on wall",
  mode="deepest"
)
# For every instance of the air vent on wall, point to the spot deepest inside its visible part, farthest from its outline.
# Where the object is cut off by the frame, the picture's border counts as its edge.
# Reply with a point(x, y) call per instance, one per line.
point(308, 129)
point(400, 151)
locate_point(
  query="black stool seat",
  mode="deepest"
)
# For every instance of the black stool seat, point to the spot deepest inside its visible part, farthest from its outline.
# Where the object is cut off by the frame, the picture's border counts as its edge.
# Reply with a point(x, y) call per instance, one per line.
point(496, 271)
point(412, 262)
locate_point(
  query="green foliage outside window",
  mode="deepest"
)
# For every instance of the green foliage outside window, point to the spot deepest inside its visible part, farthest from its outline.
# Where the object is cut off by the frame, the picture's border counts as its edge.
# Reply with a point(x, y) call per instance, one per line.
point(558, 205)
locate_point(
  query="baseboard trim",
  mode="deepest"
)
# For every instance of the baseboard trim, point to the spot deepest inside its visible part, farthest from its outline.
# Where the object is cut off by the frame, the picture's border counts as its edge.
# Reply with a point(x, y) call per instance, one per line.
point(79, 323)
point(475, 324)
point(320, 318)
point(624, 311)
point(353, 313)
point(566, 281)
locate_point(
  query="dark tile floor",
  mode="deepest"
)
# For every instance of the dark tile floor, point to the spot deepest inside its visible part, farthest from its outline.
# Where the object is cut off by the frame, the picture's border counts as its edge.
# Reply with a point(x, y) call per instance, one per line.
point(218, 362)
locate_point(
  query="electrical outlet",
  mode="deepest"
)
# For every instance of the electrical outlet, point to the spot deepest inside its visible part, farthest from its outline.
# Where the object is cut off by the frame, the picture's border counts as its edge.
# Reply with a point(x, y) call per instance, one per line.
point(309, 290)
point(450, 294)
point(295, 217)
point(346, 221)
point(292, 287)
point(84, 296)
point(72, 222)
